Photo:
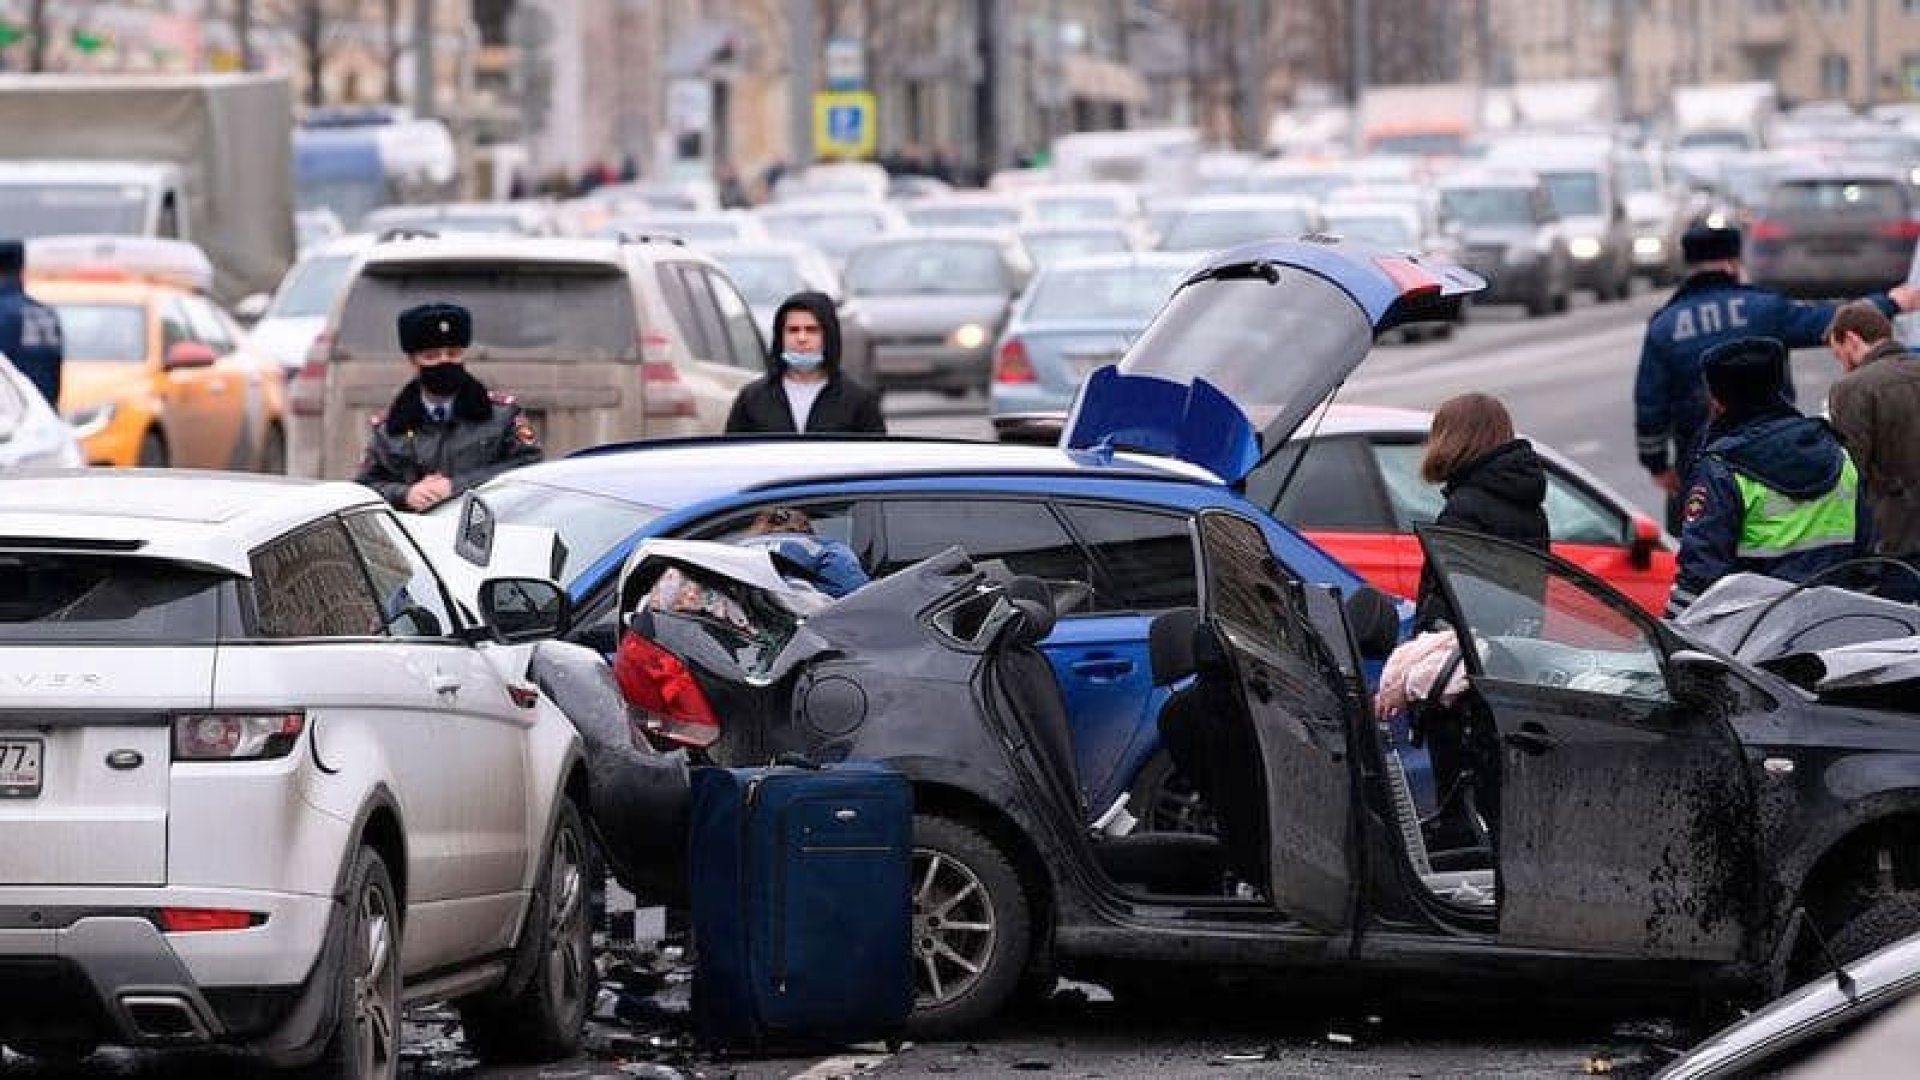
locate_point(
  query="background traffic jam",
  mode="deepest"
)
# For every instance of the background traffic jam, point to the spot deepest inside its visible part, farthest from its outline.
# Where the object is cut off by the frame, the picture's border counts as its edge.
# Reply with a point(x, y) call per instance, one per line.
point(1118, 692)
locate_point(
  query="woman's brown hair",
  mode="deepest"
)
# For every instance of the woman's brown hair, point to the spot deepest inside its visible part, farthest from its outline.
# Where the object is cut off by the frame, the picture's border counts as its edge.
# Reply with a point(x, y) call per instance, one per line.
point(1465, 429)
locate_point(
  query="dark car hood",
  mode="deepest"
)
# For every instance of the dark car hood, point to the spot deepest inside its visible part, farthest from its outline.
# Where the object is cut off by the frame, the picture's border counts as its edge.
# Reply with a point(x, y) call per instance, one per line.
point(1271, 328)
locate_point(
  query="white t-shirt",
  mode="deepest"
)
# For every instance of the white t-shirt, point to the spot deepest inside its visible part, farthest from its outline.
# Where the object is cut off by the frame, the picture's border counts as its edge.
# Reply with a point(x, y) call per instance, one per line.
point(800, 399)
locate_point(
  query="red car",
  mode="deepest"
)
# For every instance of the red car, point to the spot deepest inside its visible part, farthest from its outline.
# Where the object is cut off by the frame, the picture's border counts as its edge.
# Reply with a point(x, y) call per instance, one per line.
point(1359, 494)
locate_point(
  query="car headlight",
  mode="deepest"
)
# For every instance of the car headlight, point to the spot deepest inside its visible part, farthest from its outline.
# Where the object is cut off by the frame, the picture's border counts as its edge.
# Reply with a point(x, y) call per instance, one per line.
point(969, 336)
point(90, 420)
point(1584, 247)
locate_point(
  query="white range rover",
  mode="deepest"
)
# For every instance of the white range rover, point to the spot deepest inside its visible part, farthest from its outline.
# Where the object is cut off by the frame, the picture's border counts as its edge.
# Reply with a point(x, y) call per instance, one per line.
point(264, 779)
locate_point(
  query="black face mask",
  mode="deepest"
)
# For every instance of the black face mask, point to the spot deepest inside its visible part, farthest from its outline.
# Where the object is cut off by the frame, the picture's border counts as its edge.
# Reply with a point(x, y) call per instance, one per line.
point(443, 380)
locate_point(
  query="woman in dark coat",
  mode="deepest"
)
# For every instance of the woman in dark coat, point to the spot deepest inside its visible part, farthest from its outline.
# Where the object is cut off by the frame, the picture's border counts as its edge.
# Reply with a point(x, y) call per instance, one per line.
point(804, 389)
point(1494, 483)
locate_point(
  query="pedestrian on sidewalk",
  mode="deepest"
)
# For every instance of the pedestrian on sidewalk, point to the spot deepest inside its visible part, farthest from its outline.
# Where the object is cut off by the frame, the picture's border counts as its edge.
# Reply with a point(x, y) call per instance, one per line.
point(1773, 492)
point(1712, 307)
point(804, 389)
point(1875, 407)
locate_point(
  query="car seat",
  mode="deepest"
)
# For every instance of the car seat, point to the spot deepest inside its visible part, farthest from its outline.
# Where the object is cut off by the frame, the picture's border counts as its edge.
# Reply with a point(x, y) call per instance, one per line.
point(1169, 863)
point(1210, 738)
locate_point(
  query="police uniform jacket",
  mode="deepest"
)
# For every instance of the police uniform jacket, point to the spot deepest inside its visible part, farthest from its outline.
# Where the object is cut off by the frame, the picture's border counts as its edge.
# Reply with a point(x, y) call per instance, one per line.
point(485, 435)
point(1772, 494)
point(30, 337)
point(1710, 308)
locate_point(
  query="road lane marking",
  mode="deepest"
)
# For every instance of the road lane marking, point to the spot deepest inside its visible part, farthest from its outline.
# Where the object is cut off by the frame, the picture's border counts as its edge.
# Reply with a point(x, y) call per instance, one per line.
point(1585, 448)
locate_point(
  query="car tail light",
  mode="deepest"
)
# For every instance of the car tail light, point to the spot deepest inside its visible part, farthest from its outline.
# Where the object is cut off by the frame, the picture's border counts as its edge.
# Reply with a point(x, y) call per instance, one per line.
point(665, 393)
point(1012, 365)
point(1903, 229)
point(308, 393)
point(654, 681)
point(187, 920)
point(1767, 230)
point(235, 736)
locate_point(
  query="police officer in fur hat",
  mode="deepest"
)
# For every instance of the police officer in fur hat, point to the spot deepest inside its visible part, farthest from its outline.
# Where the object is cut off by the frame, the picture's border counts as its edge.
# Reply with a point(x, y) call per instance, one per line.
point(445, 432)
point(1773, 492)
point(1713, 306)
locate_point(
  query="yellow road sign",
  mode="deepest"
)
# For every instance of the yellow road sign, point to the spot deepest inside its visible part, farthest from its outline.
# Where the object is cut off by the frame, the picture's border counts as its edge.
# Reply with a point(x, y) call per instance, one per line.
point(843, 124)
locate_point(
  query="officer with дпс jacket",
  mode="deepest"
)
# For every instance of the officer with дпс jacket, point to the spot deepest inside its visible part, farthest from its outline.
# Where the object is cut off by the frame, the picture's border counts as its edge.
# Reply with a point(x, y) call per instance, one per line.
point(444, 433)
point(1712, 307)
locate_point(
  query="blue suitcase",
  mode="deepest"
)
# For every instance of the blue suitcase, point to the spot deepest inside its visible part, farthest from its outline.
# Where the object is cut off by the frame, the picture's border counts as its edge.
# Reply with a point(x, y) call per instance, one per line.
point(800, 887)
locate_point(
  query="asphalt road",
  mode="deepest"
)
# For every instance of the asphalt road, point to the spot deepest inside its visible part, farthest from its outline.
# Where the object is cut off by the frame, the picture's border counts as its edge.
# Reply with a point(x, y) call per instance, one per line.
point(1568, 380)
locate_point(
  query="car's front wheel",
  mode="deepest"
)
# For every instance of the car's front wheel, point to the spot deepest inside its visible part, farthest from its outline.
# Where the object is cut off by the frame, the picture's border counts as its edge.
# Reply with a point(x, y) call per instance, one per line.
point(971, 927)
point(365, 1044)
point(544, 1020)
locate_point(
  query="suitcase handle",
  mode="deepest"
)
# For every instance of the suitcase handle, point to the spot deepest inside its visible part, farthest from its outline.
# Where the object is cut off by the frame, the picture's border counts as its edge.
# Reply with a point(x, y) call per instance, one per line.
point(796, 761)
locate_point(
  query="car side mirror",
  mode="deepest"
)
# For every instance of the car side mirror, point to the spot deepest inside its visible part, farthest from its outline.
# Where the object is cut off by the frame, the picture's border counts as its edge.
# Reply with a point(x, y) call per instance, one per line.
point(1646, 538)
point(524, 609)
point(190, 354)
point(1695, 678)
point(252, 308)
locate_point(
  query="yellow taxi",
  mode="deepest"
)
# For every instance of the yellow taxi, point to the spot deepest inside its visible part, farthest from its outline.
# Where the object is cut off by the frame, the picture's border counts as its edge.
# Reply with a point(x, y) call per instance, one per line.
point(156, 373)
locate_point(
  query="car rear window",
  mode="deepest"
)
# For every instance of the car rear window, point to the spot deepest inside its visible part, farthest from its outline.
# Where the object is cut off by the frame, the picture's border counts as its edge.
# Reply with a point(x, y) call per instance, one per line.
point(102, 599)
point(310, 290)
point(1132, 293)
point(583, 317)
point(926, 267)
point(107, 333)
point(765, 279)
point(1229, 228)
point(1878, 198)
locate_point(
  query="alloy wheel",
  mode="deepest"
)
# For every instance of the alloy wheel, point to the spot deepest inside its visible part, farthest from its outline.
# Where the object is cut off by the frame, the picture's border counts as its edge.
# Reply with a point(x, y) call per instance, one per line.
point(567, 957)
point(953, 930)
point(373, 1006)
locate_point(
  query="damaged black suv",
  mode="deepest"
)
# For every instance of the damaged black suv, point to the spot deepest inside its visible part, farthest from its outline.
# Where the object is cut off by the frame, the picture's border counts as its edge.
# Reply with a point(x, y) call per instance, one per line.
point(1650, 814)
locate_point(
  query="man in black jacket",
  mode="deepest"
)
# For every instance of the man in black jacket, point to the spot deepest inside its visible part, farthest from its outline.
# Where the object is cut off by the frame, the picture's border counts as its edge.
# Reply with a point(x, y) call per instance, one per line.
point(804, 389)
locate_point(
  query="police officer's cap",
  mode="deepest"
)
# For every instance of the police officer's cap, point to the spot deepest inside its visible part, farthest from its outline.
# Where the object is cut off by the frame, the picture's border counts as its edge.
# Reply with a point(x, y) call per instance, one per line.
point(1746, 371)
point(435, 326)
point(1707, 243)
point(13, 256)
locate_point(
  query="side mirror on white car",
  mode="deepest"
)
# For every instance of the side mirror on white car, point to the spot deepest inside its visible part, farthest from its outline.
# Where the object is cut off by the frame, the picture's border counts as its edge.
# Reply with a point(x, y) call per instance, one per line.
point(524, 609)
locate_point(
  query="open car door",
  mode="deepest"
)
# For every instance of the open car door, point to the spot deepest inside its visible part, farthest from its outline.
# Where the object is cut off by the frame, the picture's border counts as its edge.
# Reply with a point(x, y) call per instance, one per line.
point(1626, 818)
point(1291, 742)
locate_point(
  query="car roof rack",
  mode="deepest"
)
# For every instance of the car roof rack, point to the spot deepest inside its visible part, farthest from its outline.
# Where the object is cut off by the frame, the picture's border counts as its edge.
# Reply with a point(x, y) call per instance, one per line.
point(650, 238)
point(408, 232)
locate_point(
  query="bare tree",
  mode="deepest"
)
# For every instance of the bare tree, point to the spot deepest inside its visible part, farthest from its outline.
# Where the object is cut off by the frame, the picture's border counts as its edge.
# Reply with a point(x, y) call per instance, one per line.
point(313, 25)
point(37, 35)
